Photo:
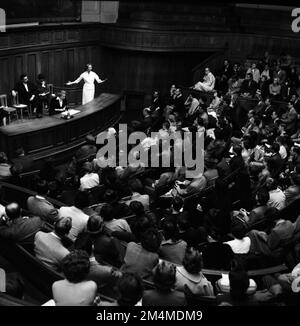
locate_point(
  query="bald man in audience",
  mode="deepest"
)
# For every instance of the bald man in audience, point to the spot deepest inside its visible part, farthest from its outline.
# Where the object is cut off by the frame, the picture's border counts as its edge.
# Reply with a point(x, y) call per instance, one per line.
point(18, 228)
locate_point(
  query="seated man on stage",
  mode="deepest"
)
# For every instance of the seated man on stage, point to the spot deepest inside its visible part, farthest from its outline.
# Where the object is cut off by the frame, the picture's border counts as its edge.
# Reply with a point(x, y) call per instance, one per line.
point(27, 93)
point(58, 104)
point(208, 83)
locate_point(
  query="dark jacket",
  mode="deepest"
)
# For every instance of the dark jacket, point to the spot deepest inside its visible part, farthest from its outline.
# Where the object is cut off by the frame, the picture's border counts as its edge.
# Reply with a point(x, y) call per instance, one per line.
point(23, 95)
point(23, 229)
point(55, 104)
point(249, 86)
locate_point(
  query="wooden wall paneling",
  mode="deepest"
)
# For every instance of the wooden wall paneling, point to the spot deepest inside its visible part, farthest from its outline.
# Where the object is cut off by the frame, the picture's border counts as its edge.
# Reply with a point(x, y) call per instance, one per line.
point(70, 62)
point(19, 67)
point(52, 68)
point(59, 68)
point(45, 65)
point(4, 75)
point(32, 66)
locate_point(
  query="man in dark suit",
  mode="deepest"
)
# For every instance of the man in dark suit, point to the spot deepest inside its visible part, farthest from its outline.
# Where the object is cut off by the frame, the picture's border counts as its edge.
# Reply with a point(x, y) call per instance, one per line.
point(27, 92)
point(249, 86)
point(18, 228)
point(26, 163)
point(58, 104)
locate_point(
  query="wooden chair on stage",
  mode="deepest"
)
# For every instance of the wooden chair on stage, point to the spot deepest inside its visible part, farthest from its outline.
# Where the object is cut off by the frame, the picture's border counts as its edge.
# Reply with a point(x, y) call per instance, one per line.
point(10, 111)
point(23, 108)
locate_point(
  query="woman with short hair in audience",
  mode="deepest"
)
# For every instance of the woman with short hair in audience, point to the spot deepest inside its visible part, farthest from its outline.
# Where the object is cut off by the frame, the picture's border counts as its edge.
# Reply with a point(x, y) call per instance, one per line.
point(190, 274)
point(75, 290)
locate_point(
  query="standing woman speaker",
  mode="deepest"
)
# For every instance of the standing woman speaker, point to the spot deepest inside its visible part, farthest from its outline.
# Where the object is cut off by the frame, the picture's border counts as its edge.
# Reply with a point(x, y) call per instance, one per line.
point(89, 77)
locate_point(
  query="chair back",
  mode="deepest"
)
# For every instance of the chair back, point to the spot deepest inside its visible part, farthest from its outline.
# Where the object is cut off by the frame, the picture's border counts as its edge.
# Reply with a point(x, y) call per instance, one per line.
point(50, 88)
point(3, 100)
point(15, 99)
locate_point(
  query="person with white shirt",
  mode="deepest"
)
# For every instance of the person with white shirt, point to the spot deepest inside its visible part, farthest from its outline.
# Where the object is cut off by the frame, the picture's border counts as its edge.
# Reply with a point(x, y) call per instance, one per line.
point(277, 196)
point(89, 77)
point(90, 179)
point(282, 149)
point(79, 218)
point(111, 223)
point(208, 83)
point(255, 72)
point(241, 243)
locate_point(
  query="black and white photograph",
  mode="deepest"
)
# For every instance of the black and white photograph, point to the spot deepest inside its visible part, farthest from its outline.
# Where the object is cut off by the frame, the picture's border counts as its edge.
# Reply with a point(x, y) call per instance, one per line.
point(149, 157)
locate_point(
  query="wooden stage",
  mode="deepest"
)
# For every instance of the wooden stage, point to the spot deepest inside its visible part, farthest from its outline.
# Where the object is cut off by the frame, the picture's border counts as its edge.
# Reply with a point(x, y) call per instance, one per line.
point(50, 135)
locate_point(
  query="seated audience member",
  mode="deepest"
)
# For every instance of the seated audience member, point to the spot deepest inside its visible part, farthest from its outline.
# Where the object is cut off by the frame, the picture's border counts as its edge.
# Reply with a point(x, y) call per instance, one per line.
point(136, 188)
point(25, 161)
point(190, 274)
point(191, 235)
point(291, 119)
point(5, 171)
point(87, 150)
point(49, 247)
point(58, 104)
point(192, 105)
point(262, 197)
point(208, 83)
point(277, 196)
point(48, 170)
point(249, 86)
point(142, 258)
point(90, 179)
point(164, 278)
point(293, 191)
point(241, 243)
point(172, 249)
point(18, 228)
point(103, 275)
point(79, 218)
point(255, 72)
point(110, 222)
point(275, 89)
point(75, 289)
point(274, 160)
point(38, 205)
point(237, 161)
point(107, 248)
point(130, 291)
point(142, 220)
point(271, 242)
point(119, 209)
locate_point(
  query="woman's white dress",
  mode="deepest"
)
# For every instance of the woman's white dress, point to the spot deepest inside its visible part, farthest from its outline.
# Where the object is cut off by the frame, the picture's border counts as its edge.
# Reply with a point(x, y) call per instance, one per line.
point(88, 91)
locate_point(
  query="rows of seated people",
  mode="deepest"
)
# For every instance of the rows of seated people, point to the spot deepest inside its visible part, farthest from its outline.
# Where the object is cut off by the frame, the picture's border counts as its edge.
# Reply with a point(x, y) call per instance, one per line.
point(138, 223)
